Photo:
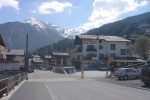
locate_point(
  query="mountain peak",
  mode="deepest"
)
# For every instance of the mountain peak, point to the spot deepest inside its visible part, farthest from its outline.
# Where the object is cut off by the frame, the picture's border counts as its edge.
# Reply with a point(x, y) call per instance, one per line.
point(34, 22)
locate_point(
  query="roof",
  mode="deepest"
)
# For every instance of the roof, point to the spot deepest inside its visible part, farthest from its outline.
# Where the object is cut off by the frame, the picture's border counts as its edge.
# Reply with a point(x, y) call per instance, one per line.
point(36, 56)
point(2, 42)
point(126, 61)
point(106, 38)
point(19, 52)
point(48, 56)
point(60, 54)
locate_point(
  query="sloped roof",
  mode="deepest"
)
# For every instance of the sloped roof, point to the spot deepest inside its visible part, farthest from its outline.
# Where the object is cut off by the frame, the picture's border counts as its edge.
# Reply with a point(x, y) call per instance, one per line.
point(36, 56)
point(48, 56)
point(19, 52)
point(60, 54)
point(106, 38)
point(38, 60)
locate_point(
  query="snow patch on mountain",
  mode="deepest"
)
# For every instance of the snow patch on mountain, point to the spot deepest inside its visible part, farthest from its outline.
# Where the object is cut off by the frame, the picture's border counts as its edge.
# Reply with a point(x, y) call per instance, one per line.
point(67, 33)
point(71, 33)
point(36, 23)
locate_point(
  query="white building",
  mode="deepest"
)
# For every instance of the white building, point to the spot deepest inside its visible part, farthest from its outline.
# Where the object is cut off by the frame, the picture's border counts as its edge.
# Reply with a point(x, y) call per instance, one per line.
point(92, 46)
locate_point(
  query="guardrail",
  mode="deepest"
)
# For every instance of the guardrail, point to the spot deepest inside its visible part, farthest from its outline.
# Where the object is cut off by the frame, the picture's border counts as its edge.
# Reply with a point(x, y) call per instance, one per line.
point(7, 84)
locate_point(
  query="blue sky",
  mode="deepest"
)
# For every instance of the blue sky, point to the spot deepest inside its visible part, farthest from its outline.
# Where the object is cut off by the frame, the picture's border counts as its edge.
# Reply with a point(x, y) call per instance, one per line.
point(72, 14)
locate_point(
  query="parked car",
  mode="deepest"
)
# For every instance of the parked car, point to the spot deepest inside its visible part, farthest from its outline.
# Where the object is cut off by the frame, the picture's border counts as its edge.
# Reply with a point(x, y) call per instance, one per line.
point(127, 73)
point(145, 73)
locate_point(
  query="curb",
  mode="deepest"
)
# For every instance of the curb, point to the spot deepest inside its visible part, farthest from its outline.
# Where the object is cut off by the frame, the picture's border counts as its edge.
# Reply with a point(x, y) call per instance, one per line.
point(13, 91)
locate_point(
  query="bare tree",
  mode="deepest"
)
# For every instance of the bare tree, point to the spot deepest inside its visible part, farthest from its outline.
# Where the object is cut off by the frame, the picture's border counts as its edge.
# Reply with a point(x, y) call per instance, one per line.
point(141, 47)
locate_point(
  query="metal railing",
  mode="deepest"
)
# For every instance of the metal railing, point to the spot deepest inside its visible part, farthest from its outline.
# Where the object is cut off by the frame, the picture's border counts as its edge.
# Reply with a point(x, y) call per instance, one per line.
point(7, 84)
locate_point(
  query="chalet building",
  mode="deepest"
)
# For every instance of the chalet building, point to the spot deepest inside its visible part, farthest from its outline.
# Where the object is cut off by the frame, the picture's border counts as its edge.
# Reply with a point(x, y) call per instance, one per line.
point(60, 59)
point(15, 55)
point(37, 61)
point(91, 46)
point(47, 60)
point(2, 48)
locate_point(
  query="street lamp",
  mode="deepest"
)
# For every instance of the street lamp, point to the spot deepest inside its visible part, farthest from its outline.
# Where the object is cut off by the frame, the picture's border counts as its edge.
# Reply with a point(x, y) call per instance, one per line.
point(26, 56)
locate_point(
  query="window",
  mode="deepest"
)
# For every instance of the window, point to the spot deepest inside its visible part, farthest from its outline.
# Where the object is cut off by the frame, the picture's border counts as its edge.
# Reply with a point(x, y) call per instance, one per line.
point(100, 41)
point(91, 48)
point(90, 56)
point(101, 55)
point(123, 52)
point(100, 47)
point(112, 46)
point(128, 51)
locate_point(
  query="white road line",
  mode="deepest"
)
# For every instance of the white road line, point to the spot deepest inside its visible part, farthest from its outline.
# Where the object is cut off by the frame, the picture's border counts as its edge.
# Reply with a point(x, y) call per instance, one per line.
point(16, 88)
point(50, 92)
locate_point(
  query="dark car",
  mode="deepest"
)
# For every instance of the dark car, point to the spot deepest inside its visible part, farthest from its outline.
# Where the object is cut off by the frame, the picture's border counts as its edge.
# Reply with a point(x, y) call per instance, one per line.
point(145, 72)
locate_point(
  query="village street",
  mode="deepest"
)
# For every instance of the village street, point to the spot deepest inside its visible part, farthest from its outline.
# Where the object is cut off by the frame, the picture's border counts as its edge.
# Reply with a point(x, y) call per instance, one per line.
point(46, 85)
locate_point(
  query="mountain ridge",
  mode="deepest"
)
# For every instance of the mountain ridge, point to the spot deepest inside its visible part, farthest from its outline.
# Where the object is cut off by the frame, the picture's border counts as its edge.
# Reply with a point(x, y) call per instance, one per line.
point(14, 34)
point(128, 26)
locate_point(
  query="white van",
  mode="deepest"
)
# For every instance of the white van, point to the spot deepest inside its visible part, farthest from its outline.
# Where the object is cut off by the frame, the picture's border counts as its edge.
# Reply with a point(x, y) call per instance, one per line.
point(126, 73)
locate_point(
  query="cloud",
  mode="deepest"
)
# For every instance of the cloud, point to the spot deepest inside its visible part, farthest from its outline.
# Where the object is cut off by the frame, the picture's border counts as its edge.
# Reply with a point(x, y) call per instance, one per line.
point(53, 7)
point(9, 3)
point(105, 11)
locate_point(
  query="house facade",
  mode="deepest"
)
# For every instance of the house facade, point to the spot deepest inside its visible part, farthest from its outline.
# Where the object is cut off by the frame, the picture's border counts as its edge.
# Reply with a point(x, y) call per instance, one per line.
point(60, 59)
point(92, 47)
point(15, 55)
point(37, 62)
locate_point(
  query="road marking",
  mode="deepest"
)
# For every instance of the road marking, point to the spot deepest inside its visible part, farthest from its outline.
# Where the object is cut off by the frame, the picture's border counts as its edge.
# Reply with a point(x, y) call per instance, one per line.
point(50, 92)
point(13, 91)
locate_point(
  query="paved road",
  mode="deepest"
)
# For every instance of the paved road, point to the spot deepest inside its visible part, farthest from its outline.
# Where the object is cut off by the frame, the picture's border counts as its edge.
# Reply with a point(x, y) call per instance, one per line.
point(134, 83)
point(51, 86)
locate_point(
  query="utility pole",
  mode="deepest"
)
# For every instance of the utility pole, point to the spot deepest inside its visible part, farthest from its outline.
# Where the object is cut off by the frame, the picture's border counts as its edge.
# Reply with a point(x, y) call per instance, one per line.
point(26, 54)
point(82, 68)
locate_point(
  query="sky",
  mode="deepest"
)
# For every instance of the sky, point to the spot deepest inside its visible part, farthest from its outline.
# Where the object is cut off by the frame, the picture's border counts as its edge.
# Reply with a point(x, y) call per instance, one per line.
point(72, 14)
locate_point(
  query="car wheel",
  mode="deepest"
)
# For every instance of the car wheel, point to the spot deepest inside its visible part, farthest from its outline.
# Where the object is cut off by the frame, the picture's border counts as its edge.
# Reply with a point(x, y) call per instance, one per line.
point(146, 84)
point(119, 78)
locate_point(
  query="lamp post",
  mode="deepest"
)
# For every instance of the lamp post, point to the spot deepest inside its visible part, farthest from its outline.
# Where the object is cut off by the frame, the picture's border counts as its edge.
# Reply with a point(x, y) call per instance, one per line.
point(26, 55)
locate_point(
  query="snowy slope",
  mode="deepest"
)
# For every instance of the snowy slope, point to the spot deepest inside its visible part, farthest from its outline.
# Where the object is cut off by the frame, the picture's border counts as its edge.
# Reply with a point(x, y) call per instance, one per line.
point(67, 33)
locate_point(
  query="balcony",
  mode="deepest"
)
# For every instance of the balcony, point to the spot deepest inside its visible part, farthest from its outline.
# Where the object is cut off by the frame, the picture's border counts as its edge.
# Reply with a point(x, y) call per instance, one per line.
point(91, 48)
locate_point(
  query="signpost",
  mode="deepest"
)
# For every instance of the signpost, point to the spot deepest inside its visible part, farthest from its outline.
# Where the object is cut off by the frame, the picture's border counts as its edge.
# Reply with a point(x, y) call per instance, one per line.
point(82, 69)
point(108, 62)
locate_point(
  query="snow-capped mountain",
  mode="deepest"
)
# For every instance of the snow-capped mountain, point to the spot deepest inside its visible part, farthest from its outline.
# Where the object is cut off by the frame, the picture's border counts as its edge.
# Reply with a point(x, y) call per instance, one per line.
point(71, 33)
point(36, 23)
point(60, 30)
point(68, 33)
point(40, 34)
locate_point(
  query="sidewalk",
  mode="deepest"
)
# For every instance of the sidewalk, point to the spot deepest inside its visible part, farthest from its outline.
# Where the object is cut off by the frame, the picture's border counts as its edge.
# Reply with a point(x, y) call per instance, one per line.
point(92, 73)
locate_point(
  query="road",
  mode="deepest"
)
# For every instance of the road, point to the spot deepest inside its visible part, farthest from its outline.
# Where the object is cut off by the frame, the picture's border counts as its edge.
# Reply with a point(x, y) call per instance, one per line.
point(43, 85)
point(134, 83)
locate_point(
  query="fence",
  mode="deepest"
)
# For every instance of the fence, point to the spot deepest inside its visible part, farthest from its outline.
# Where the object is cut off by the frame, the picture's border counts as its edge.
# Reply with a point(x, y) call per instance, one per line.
point(7, 84)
